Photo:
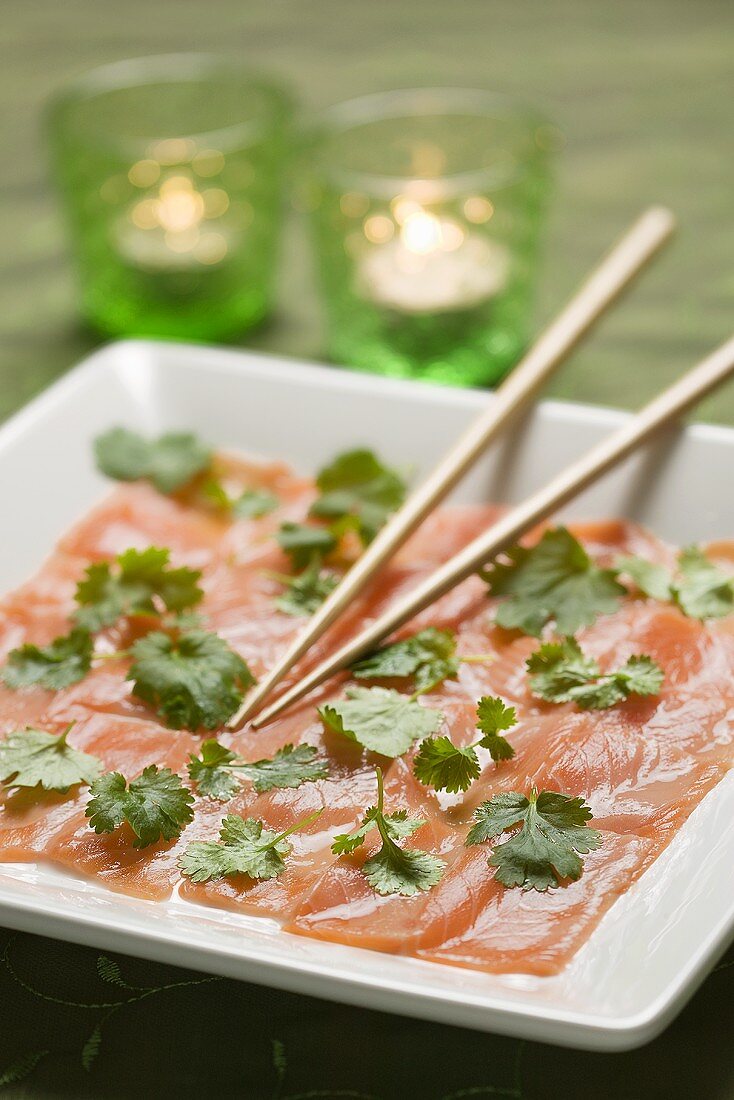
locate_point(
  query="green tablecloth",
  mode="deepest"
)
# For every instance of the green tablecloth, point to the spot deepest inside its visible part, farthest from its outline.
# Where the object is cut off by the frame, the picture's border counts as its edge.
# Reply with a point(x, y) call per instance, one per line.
point(643, 93)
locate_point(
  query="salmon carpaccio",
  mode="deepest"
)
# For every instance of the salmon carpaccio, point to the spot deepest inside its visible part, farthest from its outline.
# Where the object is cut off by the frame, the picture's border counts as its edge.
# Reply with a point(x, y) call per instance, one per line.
point(642, 766)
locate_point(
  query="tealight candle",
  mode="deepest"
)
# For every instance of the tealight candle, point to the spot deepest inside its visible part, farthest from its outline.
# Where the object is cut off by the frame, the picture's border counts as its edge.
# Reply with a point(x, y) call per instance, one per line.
point(426, 208)
point(432, 265)
point(176, 226)
point(172, 172)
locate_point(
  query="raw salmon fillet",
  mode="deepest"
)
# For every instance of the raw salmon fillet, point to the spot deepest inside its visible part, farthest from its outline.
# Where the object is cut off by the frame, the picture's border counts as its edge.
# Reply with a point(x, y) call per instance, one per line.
point(643, 766)
point(471, 920)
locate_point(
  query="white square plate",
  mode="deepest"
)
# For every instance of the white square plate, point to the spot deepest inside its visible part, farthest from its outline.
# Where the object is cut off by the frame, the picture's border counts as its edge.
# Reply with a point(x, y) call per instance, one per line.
point(655, 944)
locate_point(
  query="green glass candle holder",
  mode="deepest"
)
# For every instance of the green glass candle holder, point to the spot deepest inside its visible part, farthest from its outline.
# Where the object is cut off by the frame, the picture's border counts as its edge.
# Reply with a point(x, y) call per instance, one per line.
point(171, 173)
point(426, 211)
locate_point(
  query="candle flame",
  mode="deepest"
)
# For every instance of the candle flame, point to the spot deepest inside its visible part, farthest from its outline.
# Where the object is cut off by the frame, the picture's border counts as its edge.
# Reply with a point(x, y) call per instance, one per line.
point(421, 233)
point(180, 210)
point(180, 207)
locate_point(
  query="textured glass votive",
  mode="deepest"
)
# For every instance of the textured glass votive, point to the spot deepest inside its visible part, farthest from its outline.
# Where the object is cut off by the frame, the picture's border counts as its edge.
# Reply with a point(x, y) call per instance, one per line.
point(171, 170)
point(426, 209)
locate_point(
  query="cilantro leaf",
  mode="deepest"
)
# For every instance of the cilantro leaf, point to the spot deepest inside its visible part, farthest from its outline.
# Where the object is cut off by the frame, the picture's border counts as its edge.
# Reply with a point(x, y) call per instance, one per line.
point(106, 808)
point(493, 717)
point(213, 493)
point(194, 681)
point(546, 849)
point(429, 656)
point(404, 871)
point(356, 486)
point(640, 675)
point(254, 504)
point(211, 771)
point(305, 593)
point(155, 805)
point(250, 504)
point(64, 661)
point(32, 757)
point(558, 668)
point(560, 673)
point(703, 591)
point(345, 843)
point(652, 579)
point(380, 719)
point(304, 543)
point(169, 462)
point(553, 581)
point(245, 848)
point(392, 870)
point(441, 764)
point(397, 824)
point(139, 578)
point(290, 767)
point(700, 589)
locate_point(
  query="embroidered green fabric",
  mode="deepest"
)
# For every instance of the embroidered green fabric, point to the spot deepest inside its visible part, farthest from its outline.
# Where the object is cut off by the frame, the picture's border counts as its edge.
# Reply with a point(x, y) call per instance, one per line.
point(85, 1024)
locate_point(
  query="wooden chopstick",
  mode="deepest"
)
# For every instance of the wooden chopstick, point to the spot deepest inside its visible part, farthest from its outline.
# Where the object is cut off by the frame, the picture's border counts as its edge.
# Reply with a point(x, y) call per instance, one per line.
point(596, 295)
point(662, 410)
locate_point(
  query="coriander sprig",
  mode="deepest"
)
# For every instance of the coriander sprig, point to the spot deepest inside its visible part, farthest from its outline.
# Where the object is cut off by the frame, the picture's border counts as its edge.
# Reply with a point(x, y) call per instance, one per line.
point(61, 663)
point(304, 592)
point(429, 657)
point(194, 680)
point(138, 582)
point(392, 870)
point(561, 673)
point(441, 764)
point(192, 677)
point(216, 771)
point(169, 462)
point(699, 587)
point(358, 492)
point(34, 758)
point(553, 581)
point(245, 847)
point(155, 805)
point(305, 543)
point(546, 849)
point(249, 504)
point(380, 719)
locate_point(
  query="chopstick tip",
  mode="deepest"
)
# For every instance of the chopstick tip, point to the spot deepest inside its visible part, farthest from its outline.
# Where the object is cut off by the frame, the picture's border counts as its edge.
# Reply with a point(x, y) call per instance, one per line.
point(247, 709)
point(661, 217)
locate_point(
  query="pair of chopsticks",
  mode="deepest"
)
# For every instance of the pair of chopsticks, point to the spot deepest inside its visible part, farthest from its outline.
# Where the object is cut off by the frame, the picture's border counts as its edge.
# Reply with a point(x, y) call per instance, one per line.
point(602, 288)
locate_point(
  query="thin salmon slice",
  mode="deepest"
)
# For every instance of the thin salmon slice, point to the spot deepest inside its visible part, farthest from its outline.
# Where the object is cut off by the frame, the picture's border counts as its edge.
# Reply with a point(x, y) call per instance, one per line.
point(644, 756)
point(26, 706)
point(471, 920)
point(125, 746)
point(30, 820)
point(626, 777)
point(51, 591)
point(137, 516)
point(33, 821)
point(343, 907)
point(339, 799)
point(276, 898)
